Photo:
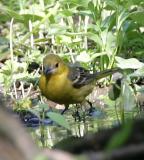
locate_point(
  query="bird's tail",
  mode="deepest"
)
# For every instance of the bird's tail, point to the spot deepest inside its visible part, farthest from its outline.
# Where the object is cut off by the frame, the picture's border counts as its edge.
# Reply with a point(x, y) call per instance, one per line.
point(105, 73)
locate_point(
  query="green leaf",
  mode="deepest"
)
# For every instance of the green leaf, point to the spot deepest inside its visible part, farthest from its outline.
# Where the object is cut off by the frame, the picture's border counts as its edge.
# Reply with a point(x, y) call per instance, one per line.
point(128, 97)
point(110, 5)
point(83, 3)
point(12, 14)
point(31, 17)
point(67, 12)
point(91, 6)
point(121, 18)
point(115, 90)
point(110, 42)
point(56, 29)
point(94, 37)
point(109, 22)
point(83, 57)
point(138, 16)
point(38, 40)
point(131, 63)
point(63, 39)
point(43, 107)
point(59, 119)
point(40, 108)
point(137, 2)
point(138, 73)
point(22, 18)
point(120, 137)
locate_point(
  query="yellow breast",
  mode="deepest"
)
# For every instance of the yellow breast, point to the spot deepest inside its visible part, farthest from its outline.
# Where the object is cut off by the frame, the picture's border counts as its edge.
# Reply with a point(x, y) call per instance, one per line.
point(59, 89)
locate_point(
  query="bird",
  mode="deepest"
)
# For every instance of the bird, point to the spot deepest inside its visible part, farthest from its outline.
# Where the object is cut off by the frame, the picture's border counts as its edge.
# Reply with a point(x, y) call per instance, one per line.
point(67, 84)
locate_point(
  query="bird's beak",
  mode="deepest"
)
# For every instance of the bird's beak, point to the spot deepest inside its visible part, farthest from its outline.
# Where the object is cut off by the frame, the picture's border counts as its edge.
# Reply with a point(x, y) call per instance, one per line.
point(48, 70)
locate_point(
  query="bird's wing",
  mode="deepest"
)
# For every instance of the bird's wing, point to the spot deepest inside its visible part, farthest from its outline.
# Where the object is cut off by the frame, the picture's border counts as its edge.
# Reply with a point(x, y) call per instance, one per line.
point(80, 76)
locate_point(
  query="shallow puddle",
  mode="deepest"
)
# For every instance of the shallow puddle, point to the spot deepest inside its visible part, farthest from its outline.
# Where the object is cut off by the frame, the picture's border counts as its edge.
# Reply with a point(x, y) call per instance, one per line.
point(47, 136)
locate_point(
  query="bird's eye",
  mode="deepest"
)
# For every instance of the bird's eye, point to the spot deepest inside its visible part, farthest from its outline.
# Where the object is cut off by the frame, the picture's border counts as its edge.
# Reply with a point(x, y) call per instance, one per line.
point(56, 65)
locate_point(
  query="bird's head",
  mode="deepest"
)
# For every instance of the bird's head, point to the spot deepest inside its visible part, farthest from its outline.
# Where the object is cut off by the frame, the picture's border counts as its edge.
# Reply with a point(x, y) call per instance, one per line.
point(53, 64)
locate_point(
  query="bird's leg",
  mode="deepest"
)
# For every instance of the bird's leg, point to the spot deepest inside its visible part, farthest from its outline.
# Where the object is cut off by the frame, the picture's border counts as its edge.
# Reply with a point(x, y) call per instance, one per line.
point(79, 113)
point(90, 103)
point(66, 108)
point(91, 109)
point(76, 113)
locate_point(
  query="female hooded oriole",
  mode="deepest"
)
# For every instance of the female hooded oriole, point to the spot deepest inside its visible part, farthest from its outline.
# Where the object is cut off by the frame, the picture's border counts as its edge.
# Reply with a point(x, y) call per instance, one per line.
point(65, 84)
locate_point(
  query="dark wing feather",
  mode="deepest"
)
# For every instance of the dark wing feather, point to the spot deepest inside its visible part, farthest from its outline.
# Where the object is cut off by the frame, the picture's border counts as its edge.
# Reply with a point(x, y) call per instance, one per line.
point(80, 76)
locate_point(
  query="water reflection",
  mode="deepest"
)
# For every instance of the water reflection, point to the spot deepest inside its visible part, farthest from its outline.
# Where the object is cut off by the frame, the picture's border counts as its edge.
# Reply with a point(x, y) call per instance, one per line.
point(47, 136)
